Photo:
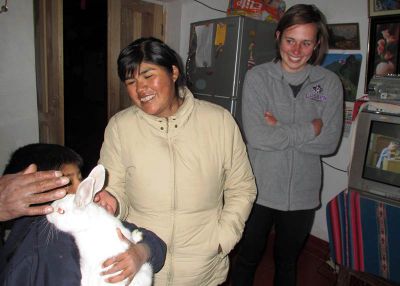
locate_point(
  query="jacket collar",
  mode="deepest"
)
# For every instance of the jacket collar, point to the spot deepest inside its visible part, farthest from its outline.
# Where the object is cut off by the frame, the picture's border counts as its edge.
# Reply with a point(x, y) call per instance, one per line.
point(276, 72)
point(173, 122)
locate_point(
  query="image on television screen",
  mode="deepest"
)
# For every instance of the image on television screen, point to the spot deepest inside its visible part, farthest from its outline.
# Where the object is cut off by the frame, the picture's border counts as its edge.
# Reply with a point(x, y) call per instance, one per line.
point(382, 162)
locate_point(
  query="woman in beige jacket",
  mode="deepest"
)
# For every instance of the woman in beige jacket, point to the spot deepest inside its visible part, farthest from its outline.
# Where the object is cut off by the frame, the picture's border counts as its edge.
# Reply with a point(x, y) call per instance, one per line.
point(178, 166)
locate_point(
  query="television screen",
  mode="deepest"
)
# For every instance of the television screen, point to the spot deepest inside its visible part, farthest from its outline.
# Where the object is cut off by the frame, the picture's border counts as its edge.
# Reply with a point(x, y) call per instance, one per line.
point(375, 164)
point(382, 162)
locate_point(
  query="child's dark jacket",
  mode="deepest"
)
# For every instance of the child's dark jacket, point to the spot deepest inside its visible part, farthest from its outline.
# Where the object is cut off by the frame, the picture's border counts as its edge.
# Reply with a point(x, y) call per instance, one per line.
point(35, 255)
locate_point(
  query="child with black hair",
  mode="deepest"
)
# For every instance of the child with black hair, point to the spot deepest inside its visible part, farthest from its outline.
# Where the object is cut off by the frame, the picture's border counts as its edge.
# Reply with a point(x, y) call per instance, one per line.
point(45, 157)
point(48, 157)
point(31, 255)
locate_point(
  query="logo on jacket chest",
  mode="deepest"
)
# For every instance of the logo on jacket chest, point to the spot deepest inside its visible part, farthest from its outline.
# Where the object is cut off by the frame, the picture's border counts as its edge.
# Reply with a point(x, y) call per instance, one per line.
point(316, 94)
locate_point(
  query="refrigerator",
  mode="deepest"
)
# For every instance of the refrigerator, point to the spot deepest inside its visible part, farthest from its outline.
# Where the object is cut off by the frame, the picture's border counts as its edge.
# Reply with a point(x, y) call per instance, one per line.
point(221, 51)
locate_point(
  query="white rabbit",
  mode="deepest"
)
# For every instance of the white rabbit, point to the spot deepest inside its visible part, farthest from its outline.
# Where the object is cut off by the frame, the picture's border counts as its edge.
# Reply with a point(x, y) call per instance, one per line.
point(95, 231)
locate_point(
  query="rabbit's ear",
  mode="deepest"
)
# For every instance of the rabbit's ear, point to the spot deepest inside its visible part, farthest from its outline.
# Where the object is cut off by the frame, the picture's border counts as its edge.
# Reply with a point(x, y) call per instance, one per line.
point(84, 195)
point(98, 174)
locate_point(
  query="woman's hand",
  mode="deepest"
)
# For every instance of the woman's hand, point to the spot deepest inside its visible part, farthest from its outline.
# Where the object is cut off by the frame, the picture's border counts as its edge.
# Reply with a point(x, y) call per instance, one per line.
point(127, 263)
point(317, 124)
point(270, 119)
point(24, 193)
point(107, 201)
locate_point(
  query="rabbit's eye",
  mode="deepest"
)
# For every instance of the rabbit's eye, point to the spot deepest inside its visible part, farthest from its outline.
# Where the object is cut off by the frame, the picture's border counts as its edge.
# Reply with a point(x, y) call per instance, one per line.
point(60, 211)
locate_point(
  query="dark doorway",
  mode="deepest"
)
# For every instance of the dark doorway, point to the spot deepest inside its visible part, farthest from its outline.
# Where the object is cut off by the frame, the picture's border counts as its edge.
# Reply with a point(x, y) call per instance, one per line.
point(85, 77)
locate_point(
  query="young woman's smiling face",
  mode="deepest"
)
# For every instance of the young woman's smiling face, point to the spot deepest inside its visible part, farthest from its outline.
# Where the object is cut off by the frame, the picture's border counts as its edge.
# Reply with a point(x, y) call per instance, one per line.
point(152, 89)
point(297, 45)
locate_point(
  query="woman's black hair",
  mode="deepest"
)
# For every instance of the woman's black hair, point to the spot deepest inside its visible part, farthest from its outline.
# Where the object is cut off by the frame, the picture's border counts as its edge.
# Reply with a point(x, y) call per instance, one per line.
point(306, 14)
point(45, 156)
point(153, 51)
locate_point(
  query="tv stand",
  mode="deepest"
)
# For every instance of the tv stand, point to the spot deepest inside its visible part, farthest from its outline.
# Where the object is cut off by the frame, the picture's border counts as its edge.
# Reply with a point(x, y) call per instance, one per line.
point(349, 277)
point(364, 238)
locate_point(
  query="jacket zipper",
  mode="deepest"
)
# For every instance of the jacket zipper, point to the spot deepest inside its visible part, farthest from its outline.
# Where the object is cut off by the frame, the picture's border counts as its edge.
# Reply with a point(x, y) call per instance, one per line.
point(170, 278)
point(292, 151)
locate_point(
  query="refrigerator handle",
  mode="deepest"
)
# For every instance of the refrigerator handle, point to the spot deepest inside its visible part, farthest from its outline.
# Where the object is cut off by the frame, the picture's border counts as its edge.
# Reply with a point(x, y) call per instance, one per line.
point(190, 61)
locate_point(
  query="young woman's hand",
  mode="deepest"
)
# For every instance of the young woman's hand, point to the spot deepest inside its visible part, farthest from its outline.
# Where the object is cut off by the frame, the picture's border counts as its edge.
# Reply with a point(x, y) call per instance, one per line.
point(270, 119)
point(317, 124)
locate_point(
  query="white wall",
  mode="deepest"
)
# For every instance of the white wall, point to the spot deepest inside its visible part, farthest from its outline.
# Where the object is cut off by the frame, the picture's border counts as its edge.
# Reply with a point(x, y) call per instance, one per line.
point(339, 11)
point(18, 107)
point(173, 24)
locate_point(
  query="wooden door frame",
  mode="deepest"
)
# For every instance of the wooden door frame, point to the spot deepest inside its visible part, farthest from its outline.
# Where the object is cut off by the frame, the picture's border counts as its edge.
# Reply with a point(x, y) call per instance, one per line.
point(117, 97)
point(113, 48)
point(50, 61)
point(49, 69)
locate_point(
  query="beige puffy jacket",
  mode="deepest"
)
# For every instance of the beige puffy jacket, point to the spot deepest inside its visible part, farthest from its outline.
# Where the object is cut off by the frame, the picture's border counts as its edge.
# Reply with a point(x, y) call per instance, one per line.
point(188, 179)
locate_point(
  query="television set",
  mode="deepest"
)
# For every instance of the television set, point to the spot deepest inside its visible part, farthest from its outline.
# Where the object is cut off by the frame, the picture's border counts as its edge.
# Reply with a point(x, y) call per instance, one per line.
point(375, 164)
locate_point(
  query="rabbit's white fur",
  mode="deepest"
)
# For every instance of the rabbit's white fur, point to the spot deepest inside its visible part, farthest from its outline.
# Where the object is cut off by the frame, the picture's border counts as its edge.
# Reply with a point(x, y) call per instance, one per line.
point(95, 231)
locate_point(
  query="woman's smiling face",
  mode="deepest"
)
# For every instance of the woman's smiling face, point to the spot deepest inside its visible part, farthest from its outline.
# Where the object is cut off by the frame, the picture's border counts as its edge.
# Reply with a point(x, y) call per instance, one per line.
point(297, 45)
point(152, 89)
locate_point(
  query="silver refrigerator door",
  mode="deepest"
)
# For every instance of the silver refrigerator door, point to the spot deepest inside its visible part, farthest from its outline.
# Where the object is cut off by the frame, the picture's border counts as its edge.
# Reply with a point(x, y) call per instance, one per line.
point(220, 52)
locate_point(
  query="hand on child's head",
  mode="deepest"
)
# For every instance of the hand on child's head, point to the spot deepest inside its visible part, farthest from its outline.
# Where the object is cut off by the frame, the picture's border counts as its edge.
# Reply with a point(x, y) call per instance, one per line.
point(28, 192)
